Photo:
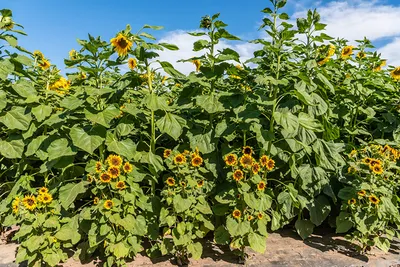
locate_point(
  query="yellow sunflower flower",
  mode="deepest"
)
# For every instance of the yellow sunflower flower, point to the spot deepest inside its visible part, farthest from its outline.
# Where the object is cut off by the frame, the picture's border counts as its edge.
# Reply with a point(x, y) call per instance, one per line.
point(197, 161)
point(247, 150)
point(89, 178)
point(132, 63)
point(381, 65)
point(121, 44)
point(255, 168)
point(29, 202)
point(105, 177)
point(96, 200)
point(98, 167)
point(351, 170)
point(108, 204)
point(127, 167)
point(43, 190)
point(197, 63)
point(264, 160)
point(395, 73)
point(167, 153)
point(249, 218)
point(183, 184)
point(361, 54)
point(236, 214)
point(246, 161)
point(72, 54)
point(361, 193)
point(46, 198)
point(373, 199)
point(270, 164)
point(114, 172)
point(179, 159)
point(238, 175)
point(170, 181)
point(120, 185)
point(114, 160)
point(200, 183)
point(261, 186)
point(352, 201)
point(347, 51)
point(44, 64)
point(230, 159)
point(367, 160)
point(38, 54)
point(377, 169)
point(260, 215)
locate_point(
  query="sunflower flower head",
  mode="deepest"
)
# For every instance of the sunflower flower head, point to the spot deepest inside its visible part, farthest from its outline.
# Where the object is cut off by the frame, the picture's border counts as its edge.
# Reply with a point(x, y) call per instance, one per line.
point(46, 198)
point(246, 161)
point(247, 150)
point(114, 160)
point(361, 193)
point(197, 63)
point(261, 186)
point(373, 199)
point(120, 185)
point(255, 168)
point(236, 214)
point(351, 170)
point(38, 54)
point(29, 202)
point(44, 64)
point(347, 51)
point(43, 190)
point(238, 175)
point(127, 167)
point(395, 73)
point(121, 44)
point(105, 177)
point(132, 63)
point(170, 181)
point(73, 54)
point(260, 215)
point(98, 166)
point(114, 172)
point(108, 204)
point(179, 159)
point(167, 153)
point(250, 217)
point(377, 169)
point(230, 159)
point(352, 201)
point(264, 160)
point(361, 55)
point(200, 183)
point(270, 164)
point(197, 161)
point(96, 201)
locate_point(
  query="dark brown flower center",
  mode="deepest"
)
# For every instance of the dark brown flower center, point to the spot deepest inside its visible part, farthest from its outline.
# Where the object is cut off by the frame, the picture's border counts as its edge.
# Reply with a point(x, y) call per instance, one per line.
point(122, 43)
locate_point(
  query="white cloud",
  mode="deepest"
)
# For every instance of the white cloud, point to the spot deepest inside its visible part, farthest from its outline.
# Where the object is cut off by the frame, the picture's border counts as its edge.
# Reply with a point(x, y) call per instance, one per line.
point(391, 51)
point(185, 43)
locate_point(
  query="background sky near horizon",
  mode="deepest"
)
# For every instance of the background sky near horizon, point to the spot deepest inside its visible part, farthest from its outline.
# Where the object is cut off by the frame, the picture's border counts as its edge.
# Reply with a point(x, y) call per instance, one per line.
point(53, 26)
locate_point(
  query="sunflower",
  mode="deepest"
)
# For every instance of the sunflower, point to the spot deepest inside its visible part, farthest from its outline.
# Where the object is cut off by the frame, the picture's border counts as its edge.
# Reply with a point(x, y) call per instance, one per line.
point(89, 178)
point(361, 193)
point(361, 54)
point(246, 161)
point(43, 190)
point(351, 170)
point(377, 169)
point(352, 201)
point(127, 167)
point(237, 175)
point(183, 184)
point(270, 164)
point(200, 183)
point(46, 198)
point(375, 162)
point(29, 202)
point(38, 54)
point(236, 214)
point(72, 54)
point(261, 186)
point(98, 167)
point(108, 204)
point(105, 177)
point(255, 168)
point(367, 160)
point(260, 215)
point(170, 181)
point(122, 44)
point(347, 51)
point(230, 159)
point(114, 160)
point(132, 63)
point(395, 73)
point(167, 153)
point(164, 79)
point(373, 199)
point(82, 75)
point(95, 200)
point(44, 64)
point(197, 63)
point(114, 172)
point(120, 185)
point(15, 208)
point(247, 150)
point(353, 153)
point(264, 160)
point(382, 64)
point(249, 218)
point(197, 161)
point(179, 159)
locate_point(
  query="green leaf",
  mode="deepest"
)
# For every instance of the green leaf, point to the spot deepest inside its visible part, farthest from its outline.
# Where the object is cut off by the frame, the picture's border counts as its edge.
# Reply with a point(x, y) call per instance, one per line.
point(310, 123)
point(287, 120)
point(41, 112)
point(304, 228)
point(196, 249)
point(169, 68)
point(221, 236)
point(71, 102)
point(181, 204)
point(16, 118)
point(343, 222)
point(210, 103)
point(155, 102)
point(325, 81)
point(24, 88)
point(84, 141)
point(120, 250)
point(34, 242)
point(126, 148)
point(202, 142)
point(12, 149)
point(51, 258)
point(169, 46)
point(153, 160)
point(171, 124)
point(257, 242)
point(69, 192)
point(60, 148)
point(103, 117)
point(34, 145)
point(6, 68)
point(319, 209)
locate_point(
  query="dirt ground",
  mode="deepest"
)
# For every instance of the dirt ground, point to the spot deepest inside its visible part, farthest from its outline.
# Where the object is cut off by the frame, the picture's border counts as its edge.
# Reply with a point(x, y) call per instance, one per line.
point(284, 248)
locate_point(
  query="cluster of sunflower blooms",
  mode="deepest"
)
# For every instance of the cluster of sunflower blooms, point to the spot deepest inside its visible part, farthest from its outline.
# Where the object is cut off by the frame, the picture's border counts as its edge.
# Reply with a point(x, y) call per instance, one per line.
point(42, 62)
point(245, 167)
point(372, 165)
point(61, 86)
point(31, 202)
point(181, 160)
point(110, 173)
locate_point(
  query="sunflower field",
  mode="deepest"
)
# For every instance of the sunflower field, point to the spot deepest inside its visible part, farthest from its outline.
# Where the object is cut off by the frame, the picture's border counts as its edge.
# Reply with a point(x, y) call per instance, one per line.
point(107, 163)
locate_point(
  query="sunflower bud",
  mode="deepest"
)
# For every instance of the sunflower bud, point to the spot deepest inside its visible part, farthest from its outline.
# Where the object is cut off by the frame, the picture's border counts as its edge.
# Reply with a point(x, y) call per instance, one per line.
point(205, 22)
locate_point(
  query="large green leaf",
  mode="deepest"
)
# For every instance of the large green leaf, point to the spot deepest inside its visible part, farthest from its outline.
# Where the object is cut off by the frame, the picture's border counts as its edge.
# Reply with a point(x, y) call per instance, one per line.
point(120, 250)
point(69, 192)
point(287, 120)
point(203, 142)
point(41, 112)
point(210, 103)
point(126, 148)
point(103, 117)
point(304, 228)
point(6, 68)
point(84, 141)
point(181, 204)
point(24, 88)
point(16, 118)
point(171, 124)
point(60, 148)
point(34, 145)
point(343, 222)
point(155, 102)
point(196, 249)
point(257, 242)
point(319, 209)
point(12, 149)
point(3, 100)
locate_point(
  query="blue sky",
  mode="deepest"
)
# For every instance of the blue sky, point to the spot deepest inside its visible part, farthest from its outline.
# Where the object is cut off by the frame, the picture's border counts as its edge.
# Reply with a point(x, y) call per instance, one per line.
point(53, 26)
